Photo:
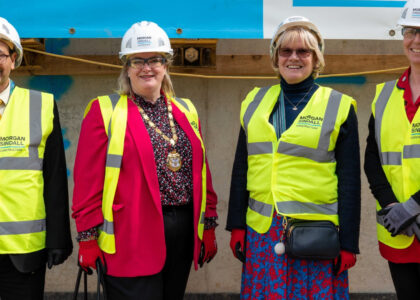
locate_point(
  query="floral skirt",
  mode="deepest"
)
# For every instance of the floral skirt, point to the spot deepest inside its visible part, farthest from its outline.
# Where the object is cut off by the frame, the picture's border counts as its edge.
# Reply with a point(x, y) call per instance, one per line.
point(267, 275)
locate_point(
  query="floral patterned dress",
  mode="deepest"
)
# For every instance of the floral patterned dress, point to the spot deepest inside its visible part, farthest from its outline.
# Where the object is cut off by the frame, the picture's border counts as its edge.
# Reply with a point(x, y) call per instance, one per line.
point(267, 275)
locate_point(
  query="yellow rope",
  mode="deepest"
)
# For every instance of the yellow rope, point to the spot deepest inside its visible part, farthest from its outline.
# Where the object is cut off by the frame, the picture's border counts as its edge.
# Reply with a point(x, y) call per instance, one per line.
point(212, 76)
point(73, 58)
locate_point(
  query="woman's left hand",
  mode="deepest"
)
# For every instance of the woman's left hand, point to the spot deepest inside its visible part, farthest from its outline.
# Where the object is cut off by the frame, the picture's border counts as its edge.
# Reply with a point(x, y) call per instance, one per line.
point(344, 261)
point(210, 246)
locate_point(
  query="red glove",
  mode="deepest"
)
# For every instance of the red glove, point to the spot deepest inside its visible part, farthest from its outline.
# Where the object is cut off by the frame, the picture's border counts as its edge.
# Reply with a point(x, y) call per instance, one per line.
point(209, 246)
point(344, 261)
point(237, 243)
point(89, 252)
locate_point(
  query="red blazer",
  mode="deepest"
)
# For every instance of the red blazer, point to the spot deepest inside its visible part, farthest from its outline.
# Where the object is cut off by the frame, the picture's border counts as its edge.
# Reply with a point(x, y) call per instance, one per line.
point(138, 219)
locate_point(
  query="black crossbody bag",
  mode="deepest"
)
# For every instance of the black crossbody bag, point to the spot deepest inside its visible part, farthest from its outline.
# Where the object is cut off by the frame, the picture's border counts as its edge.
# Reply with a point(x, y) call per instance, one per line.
point(314, 240)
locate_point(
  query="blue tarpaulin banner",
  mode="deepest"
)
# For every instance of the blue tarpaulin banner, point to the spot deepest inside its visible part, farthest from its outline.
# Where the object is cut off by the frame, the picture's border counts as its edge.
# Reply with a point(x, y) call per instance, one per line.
point(111, 18)
point(230, 19)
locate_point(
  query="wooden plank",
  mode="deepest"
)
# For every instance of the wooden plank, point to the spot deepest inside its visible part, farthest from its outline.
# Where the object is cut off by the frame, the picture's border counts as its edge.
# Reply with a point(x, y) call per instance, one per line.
point(337, 64)
point(230, 65)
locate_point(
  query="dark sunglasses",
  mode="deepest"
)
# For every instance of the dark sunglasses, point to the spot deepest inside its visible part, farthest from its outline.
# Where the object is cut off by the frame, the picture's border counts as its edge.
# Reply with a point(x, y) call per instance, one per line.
point(301, 52)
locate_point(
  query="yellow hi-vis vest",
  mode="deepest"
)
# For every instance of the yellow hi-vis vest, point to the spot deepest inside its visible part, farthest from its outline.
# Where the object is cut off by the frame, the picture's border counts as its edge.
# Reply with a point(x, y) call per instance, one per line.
point(295, 174)
point(114, 113)
point(24, 128)
point(399, 151)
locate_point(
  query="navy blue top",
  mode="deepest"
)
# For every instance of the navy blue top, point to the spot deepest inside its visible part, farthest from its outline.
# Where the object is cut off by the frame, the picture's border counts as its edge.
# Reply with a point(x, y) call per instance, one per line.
point(347, 154)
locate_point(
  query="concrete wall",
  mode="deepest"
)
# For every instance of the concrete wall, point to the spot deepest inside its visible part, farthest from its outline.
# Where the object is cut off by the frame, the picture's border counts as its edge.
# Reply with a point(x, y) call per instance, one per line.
point(218, 103)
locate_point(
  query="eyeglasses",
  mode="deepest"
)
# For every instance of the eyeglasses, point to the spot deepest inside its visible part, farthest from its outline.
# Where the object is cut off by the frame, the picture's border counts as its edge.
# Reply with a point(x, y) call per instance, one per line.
point(301, 52)
point(3, 57)
point(153, 62)
point(410, 32)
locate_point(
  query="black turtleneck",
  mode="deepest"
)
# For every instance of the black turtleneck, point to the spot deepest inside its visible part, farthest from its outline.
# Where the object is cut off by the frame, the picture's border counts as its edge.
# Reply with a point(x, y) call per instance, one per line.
point(295, 95)
point(347, 154)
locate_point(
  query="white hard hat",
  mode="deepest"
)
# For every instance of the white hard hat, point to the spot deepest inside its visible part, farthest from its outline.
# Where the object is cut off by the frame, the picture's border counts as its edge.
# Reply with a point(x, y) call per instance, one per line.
point(411, 14)
point(295, 21)
point(9, 34)
point(143, 37)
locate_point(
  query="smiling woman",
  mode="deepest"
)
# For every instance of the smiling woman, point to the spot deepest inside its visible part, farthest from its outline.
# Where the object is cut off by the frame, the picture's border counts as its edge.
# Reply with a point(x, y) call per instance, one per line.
point(146, 73)
point(411, 45)
point(310, 132)
point(143, 198)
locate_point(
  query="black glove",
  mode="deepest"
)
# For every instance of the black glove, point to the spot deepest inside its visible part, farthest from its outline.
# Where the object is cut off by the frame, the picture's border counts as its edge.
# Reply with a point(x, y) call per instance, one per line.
point(397, 217)
point(57, 256)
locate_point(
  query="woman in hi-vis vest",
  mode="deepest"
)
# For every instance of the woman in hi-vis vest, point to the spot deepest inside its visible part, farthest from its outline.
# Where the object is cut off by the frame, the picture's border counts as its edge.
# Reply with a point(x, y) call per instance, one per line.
point(392, 163)
point(297, 157)
point(143, 198)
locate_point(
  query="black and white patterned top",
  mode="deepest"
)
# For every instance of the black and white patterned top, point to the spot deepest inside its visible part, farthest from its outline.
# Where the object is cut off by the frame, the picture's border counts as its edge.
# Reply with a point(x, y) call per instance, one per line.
point(176, 188)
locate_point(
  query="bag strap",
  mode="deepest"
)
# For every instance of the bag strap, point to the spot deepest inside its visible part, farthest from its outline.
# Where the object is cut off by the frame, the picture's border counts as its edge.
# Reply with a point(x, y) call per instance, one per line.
point(101, 271)
point(76, 288)
point(101, 281)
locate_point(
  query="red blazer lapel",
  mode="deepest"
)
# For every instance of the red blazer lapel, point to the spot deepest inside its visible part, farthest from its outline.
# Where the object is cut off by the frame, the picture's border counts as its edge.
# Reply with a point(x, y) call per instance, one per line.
point(144, 147)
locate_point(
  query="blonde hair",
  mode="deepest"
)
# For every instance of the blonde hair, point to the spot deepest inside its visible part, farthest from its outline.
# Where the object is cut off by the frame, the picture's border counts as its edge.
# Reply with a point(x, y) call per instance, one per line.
point(124, 84)
point(309, 39)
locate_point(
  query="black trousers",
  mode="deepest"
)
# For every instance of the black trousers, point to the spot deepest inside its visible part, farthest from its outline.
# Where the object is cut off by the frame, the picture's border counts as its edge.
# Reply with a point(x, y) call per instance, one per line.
point(15, 285)
point(170, 283)
point(406, 278)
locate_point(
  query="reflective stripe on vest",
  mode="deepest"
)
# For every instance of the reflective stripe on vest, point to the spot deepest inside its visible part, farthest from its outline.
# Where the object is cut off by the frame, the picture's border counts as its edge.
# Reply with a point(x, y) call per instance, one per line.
point(252, 107)
point(261, 201)
point(262, 208)
point(387, 158)
point(112, 160)
point(114, 113)
point(22, 227)
point(296, 207)
point(186, 106)
point(398, 152)
point(21, 162)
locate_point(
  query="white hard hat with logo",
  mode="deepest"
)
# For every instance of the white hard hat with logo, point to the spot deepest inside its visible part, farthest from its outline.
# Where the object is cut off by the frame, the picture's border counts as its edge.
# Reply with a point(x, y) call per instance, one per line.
point(10, 36)
point(143, 37)
point(411, 14)
point(295, 21)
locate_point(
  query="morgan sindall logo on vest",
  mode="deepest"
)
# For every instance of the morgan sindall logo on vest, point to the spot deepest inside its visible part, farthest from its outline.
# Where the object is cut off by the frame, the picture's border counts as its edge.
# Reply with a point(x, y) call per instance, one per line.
point(12, 143)
point(309, 121)
point(194, 124)
point(415, 131)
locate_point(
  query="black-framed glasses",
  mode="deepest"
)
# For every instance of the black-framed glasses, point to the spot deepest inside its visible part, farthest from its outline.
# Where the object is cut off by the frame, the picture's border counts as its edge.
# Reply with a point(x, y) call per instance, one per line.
point(153, 62)
point(300, 52)
point(410, 32)
point(3, 57)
